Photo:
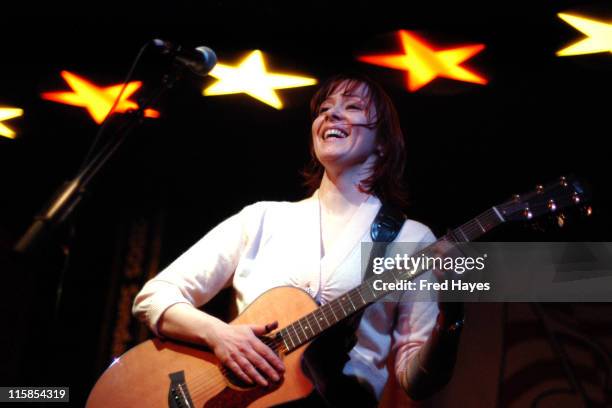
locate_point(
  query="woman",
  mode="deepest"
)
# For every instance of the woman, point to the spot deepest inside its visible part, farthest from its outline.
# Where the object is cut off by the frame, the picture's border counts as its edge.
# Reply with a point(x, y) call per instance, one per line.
point(357, 162)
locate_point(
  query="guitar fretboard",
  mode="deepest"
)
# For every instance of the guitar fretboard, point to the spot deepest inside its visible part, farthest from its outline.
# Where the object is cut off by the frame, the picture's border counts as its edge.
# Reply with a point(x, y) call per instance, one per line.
point(310, 326)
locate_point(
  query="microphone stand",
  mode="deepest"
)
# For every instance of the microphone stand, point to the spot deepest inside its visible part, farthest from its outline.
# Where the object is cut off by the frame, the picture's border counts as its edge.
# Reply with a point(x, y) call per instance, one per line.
point(68, 196)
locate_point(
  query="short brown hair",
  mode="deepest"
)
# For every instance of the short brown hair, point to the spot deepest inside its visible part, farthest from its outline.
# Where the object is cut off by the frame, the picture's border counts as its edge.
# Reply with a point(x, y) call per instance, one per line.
point(386, 181)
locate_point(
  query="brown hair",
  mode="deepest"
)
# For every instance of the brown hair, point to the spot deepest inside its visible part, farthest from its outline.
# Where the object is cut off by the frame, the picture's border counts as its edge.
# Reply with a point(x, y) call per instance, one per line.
point(386, 180)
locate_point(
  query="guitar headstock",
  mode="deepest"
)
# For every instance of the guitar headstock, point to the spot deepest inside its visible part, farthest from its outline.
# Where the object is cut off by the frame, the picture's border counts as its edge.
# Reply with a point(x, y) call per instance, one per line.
point(549, 199)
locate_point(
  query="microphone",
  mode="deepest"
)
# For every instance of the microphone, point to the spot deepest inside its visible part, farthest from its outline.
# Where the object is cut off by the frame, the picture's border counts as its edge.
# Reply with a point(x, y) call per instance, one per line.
point(200, 60)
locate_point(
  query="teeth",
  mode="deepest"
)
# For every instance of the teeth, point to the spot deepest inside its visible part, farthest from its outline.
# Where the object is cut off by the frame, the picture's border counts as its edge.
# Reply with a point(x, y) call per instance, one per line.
point(335, 132)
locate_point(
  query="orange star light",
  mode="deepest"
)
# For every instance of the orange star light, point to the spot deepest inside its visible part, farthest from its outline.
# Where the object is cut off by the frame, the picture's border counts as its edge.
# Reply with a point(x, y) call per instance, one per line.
point(97, 100)
point(423, 64)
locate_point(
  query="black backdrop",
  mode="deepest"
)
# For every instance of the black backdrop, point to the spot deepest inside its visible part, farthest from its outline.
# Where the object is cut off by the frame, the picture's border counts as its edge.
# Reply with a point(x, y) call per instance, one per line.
point(469, 146)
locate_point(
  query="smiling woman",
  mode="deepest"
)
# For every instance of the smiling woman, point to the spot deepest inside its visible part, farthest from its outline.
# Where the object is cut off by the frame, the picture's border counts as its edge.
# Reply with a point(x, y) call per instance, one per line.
point(313, 245)
point(343, 132)
point(354, 101)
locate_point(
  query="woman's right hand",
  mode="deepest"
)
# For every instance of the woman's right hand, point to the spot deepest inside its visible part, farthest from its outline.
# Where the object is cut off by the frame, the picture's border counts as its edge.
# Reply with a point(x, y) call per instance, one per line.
point(239, 349)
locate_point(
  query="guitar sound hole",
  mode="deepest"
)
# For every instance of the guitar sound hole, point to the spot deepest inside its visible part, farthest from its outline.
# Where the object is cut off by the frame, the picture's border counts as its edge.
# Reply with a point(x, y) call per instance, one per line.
point(235, 380)
point(274, 342)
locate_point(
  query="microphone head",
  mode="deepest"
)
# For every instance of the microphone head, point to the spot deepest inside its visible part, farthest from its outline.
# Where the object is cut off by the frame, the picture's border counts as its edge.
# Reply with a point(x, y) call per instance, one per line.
point(200, 60)
point(209, 60)
point(161, 44)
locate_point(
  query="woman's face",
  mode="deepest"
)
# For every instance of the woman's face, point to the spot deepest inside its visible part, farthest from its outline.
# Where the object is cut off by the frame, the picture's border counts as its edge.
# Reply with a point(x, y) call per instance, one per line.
point(343, 134)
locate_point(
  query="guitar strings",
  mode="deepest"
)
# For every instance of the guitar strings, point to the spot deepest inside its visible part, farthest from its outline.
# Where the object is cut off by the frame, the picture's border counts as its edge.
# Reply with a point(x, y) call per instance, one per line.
point(470, 229)
point(215, 384)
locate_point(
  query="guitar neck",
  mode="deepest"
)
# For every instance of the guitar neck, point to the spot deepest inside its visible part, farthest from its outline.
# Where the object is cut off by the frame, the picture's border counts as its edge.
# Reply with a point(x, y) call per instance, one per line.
point(313, 324)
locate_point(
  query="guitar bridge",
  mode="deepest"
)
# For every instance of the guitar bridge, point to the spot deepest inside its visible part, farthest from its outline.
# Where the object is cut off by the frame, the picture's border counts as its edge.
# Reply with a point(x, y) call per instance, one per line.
point(178, 395)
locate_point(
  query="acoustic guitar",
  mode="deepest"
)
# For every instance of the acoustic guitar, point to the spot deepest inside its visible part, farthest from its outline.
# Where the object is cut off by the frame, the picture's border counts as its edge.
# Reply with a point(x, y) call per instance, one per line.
point(167, 374)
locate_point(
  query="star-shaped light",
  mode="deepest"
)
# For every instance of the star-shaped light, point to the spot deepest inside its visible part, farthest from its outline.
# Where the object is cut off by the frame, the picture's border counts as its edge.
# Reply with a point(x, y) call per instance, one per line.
point(423, 64)
point(599, 36)
point(97, 100)
point(251, 77)
point(6, 114)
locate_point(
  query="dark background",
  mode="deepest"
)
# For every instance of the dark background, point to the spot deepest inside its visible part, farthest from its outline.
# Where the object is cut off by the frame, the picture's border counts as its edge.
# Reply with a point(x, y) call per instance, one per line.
point(469, 146)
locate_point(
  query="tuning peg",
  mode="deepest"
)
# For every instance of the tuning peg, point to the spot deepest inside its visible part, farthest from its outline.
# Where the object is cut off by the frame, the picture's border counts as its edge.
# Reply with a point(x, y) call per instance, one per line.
point(552, 206)
point(587, 210)
point(561, 220)
point(576, 198)
point(516, 198)
point(527, 213)
point(539, 189)
point(563, 181)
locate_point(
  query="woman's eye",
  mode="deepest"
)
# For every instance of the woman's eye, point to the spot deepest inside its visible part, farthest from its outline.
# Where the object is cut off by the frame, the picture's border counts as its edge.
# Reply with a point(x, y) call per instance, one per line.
point(358, 107)
point(323, 109)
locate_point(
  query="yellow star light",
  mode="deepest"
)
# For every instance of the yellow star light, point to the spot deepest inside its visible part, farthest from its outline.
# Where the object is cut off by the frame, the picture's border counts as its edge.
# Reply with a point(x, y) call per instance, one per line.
point(98, 101)
point(6, 114)
point(422, 64)
point(599, 36)
point(251, 77)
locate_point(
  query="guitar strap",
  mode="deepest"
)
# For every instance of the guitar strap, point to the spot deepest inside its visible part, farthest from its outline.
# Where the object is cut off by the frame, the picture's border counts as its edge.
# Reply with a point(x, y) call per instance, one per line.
point(385, 228)
point(326, 356)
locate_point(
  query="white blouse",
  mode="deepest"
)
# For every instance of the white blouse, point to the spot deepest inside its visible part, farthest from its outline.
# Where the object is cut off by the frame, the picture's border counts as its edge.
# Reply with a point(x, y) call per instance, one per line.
point(270, 244)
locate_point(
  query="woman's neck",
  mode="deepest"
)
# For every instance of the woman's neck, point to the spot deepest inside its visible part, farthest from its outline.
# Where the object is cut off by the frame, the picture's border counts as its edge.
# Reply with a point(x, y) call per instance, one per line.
point(340, 193)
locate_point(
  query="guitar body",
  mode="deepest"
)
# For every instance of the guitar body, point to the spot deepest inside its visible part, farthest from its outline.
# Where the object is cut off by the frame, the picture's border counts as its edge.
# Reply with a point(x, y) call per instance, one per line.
point(161, 374)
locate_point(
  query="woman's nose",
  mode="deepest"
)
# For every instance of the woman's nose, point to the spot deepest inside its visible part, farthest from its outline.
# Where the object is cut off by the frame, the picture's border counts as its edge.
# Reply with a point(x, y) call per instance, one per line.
point(333, 113)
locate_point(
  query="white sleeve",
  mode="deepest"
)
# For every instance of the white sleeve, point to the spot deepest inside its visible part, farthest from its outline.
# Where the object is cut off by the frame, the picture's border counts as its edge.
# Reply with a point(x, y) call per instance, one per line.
point(198, 274)
point(414, 325)
point(415, 322)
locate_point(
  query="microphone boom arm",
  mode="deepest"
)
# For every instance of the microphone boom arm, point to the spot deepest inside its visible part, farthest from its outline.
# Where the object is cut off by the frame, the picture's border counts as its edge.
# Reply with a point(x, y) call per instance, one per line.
point(67, 197)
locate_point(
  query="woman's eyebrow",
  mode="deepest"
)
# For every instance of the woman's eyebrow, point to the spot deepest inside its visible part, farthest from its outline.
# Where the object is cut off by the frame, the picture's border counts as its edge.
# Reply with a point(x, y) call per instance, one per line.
point(354, 96)
point(330, 98)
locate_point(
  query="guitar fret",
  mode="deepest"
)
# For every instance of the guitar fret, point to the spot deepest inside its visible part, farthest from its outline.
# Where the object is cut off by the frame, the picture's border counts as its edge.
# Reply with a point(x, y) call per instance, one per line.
point(320, 319)
point(294, 339)
point(287, 335)
point(325, 317)
point(332, 310)
point(501, 219)
point(352, 304)
point(361, 296)
point(317, 321)
point(489, 221)
point(496, 217)
point(369, 295)
point(296, 333)
point(483, 222)
point(469, 232)
point(339, 302)
point(306, 328)
point(311, 327)
point(370, 291)
point(463, 233)
point(343, 299)
point(370, 287)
